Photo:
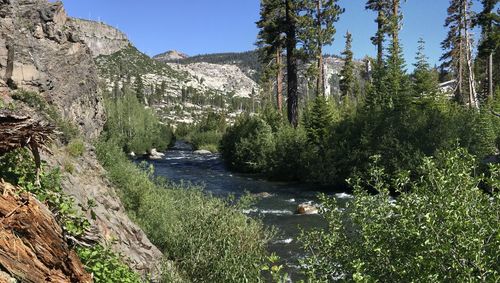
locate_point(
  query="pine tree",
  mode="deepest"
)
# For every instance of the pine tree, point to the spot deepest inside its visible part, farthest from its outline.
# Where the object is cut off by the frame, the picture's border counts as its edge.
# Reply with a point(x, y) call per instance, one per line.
point(139, 88)
point(377, 89)
point(317, 122)
point(347, 79)
point(490, 25)
point(425, 79)
point(271, 42)
point(381, 7)
point(317, 31)
point(395, 76)
point(279, 25)
point(457, 45)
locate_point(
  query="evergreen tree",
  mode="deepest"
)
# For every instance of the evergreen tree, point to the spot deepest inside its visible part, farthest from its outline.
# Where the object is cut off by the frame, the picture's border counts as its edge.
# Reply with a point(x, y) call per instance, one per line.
point(279, 25)
point(378, 88)
point(139, 88)
point(395, 76)
point(347, 79)
point(457, 44)
point(381, 7)
point(271, 42)
point(318, 30)
point(317, 122)
point(490, 25)
point(425, 79)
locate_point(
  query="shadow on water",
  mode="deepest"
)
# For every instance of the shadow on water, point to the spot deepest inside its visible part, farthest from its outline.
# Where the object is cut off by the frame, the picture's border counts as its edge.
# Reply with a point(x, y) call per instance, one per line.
point(181, 164)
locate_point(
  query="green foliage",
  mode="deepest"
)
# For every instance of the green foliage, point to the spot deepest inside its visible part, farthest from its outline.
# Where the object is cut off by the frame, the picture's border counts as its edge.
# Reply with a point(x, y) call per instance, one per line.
point(275, 270)
point(247, 143)
point(206, 140)
point(347, 80)
point(341, 139)
point(106, 266)
point(441, 228)
point(133, 127)
point(425, 79)
point(287, 159)
point(75, 148)
point(18, 168)
point(207, 238)
point(317, 122)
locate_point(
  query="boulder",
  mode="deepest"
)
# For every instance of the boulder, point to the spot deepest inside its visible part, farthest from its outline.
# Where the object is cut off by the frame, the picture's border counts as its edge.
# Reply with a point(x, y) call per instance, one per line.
point(307, 209)
point(202, 152)
point(263, 195)
point(155, 155)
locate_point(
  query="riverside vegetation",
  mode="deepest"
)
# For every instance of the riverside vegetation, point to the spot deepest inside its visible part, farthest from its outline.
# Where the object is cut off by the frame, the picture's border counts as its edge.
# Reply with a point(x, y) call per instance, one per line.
point(206, 238)
point(423, 166)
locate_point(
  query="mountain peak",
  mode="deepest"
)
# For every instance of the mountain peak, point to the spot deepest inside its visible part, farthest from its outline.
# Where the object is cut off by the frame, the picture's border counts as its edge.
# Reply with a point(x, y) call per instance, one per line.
point(171, 55)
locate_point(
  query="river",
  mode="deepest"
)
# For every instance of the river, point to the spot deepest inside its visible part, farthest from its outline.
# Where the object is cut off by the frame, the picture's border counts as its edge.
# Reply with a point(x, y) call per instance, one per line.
point(277, 210)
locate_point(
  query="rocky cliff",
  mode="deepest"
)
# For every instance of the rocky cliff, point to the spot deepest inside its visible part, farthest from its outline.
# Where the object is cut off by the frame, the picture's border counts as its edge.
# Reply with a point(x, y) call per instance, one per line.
point(40, 50)
point(101, 38)
point(44, 51)
point(170, 56)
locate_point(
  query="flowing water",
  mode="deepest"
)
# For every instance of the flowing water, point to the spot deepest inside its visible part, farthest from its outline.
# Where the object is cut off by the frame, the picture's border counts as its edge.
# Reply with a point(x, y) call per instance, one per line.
point(278, 209)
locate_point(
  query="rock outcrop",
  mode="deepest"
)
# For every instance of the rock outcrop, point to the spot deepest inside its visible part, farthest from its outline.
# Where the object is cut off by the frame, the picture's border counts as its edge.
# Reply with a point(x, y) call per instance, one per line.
point(40, 50)
point(87, 184)
point(101, 38)
point(171, 55)
point(43, 50)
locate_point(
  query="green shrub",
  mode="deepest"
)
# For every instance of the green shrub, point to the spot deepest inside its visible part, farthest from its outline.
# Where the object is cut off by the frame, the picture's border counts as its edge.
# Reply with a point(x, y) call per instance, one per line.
point(247, 144)
point(441, 229)
point(18, 168)
point(106, 266)
point(210, 139)
point(286, 161)
point(75, 148)
point(209, 239)
point(133, 127)
point(213, 148)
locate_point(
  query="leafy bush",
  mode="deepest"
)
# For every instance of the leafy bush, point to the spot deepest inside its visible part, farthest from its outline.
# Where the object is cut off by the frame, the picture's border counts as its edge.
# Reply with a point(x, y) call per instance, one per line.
point(286, 161)
point(106, 266)
point(341, 140)
point(18, 167)
point(247, 144)
point(443, 229)
point(133, 127)
point(208, 238)
point(205, 140)
point(75, 148)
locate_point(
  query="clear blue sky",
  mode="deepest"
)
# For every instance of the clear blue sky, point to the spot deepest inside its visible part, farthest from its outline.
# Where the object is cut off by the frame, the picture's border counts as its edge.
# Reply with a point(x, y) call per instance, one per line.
point(210, 26)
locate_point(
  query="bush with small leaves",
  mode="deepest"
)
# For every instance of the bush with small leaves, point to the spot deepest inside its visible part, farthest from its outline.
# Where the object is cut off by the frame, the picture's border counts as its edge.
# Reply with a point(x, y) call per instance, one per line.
point(443, 227)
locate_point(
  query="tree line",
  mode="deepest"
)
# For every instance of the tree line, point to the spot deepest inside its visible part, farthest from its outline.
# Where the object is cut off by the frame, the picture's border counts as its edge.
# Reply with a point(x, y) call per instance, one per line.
point(299, 29)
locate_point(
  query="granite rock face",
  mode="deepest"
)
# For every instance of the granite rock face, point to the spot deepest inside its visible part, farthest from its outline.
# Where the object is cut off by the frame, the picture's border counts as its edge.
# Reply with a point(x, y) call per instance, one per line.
point(41, 51)
point(87, 184)
point(101, 38)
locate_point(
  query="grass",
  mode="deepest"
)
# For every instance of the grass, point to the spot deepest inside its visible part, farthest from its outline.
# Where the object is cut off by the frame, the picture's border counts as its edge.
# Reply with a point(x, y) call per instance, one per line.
point(209, 239)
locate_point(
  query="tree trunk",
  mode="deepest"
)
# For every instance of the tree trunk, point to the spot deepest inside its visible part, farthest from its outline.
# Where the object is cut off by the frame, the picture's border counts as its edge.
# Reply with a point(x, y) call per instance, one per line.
point(32, 245)
point(490, 75)
point(320, 89)
point(468, 55)
point(279, 81)
point(459, 92)
point(291, 43)
point(380, 37)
